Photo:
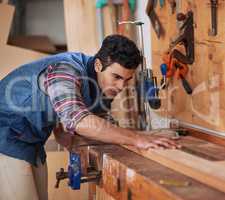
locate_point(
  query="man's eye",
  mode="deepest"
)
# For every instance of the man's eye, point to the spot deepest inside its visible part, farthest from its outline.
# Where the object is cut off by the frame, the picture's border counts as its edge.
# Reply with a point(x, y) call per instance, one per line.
point(116, 76)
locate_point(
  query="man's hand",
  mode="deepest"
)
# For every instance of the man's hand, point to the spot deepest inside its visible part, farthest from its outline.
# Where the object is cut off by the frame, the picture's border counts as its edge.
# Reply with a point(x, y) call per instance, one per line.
point(156, 142)
point(96, 128)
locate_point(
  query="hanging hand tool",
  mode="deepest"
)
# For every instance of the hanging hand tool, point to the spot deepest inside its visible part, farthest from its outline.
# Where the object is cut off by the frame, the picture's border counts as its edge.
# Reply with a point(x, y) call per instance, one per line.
point(100, 22)
point(172, 6)
point(186, 38)
point(163, 68)
point(102, 3)
point(174, 68)
point(156, 24)
point(214, 5)
point(161, 3)
point(178, 10)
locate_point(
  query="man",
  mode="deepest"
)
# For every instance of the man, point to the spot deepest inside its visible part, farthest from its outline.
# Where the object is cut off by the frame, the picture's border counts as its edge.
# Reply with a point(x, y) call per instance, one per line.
point(68, 88)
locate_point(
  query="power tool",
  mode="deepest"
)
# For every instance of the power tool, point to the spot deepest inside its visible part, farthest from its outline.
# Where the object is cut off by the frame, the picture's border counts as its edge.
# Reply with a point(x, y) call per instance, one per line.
point(146, 84)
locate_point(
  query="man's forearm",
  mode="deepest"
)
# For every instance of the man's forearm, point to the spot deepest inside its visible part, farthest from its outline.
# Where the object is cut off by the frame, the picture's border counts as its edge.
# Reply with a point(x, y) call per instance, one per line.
point(100, 129)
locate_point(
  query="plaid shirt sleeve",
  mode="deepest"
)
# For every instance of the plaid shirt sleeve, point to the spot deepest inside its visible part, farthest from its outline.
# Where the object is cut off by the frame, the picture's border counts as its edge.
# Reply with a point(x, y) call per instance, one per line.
point(63, 85)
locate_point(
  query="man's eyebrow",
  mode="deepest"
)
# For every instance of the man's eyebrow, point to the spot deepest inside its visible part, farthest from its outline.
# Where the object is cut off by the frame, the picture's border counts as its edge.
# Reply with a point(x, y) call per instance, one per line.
point(122, 77)
point(118, 75)
point(129, 78)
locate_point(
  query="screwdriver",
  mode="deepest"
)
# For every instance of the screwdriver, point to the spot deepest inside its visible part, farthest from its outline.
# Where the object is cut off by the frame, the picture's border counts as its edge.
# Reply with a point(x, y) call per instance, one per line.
point(163, 68)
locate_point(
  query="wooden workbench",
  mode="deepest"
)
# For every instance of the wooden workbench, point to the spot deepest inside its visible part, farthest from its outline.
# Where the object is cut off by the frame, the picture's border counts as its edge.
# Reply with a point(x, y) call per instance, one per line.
point(127, 175)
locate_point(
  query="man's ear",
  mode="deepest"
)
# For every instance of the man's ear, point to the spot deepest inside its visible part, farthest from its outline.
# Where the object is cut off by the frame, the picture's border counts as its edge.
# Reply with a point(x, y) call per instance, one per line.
point(98, 65)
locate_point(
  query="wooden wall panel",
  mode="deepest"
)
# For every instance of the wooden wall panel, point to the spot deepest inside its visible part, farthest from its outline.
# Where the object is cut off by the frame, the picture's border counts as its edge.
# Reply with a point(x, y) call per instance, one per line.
point(206, 106)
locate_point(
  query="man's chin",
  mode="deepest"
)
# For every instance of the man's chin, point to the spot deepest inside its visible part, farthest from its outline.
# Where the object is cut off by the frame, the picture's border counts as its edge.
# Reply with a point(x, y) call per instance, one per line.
point(110, 95)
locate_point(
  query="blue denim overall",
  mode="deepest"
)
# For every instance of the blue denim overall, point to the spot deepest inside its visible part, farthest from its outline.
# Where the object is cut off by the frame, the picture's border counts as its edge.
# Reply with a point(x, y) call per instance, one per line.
point(26, 115)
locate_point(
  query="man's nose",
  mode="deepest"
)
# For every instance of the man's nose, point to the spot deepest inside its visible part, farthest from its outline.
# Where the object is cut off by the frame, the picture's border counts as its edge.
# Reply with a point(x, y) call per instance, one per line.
point(121, 84)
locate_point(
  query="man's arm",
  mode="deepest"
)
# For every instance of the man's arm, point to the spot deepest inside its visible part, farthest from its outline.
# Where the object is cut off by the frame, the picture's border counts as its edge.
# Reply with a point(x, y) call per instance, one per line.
point(97, 128)
point(62, 84)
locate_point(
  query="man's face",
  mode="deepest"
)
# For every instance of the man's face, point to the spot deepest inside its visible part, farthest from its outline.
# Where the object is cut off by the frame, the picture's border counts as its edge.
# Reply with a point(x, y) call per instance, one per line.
point(113, 79)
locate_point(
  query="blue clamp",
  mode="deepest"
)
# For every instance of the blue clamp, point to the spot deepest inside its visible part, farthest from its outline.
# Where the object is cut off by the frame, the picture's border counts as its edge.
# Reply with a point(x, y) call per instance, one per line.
point(74, 171)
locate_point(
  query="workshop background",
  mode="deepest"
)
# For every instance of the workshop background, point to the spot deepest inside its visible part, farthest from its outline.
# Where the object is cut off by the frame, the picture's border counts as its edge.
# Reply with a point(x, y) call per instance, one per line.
point(32, 29)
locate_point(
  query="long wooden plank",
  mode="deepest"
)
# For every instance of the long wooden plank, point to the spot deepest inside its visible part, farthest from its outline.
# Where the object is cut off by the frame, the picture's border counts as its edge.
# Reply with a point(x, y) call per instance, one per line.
point(6, 16)
point(208, 172)
point(11, 57)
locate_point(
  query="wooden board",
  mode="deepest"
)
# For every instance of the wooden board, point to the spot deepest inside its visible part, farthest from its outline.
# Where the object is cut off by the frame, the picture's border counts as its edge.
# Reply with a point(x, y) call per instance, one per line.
point(11, 57)
point(206, 107)
point(198, 160)
point(80, 24)
point(6, 16)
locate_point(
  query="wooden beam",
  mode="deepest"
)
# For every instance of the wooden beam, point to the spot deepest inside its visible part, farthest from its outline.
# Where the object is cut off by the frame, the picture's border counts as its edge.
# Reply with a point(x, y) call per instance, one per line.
point(80, 24)
point(6, 16)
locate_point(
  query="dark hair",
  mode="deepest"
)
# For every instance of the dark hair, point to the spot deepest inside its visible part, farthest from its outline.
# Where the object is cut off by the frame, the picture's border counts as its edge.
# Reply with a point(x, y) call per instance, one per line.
point(119, 49)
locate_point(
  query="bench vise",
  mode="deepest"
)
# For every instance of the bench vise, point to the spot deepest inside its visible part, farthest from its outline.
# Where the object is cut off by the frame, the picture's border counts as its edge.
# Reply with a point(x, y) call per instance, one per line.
point(75, 175)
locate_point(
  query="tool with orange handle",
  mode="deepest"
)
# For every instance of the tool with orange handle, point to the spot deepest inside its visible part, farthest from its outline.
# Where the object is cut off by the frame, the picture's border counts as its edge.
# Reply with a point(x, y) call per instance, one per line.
point(174, 68)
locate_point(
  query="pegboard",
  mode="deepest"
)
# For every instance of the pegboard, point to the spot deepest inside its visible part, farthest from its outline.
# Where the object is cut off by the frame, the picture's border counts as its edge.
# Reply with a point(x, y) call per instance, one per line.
point(206, 106)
